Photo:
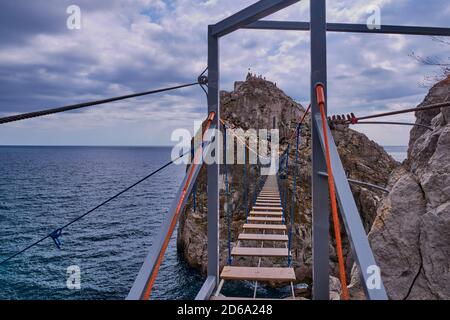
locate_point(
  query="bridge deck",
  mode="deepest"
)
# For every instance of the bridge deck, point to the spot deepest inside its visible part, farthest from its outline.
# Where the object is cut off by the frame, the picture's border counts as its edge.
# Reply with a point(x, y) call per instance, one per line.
point(264, 216)
point(264, 219)
point(266, 208)
point(281, 227)
point(259, 252)
point(266, 213)
point(258, 274)
point(263, 237)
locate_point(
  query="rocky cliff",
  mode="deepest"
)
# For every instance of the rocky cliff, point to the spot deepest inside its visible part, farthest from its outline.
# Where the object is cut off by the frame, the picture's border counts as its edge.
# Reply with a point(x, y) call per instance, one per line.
point(410, 237)
point(257, 103)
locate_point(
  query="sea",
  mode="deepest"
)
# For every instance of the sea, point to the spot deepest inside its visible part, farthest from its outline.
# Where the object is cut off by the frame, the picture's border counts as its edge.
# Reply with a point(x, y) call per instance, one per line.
point(399, 153)
point(43, 188)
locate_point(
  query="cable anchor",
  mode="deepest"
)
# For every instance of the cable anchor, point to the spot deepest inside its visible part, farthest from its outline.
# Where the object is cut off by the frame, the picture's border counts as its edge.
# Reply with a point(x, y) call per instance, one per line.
point(55, 235)
point(203, 80)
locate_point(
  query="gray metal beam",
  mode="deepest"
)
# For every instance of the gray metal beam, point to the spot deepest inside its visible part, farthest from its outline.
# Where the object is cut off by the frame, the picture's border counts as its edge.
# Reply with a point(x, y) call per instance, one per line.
point(361, 250)
point(320, 208)
point(349, 27)
point(141, 281)
point(278, 25)
point(252, 13)
point(389, 29)
point(207, 288)
point(213, 169)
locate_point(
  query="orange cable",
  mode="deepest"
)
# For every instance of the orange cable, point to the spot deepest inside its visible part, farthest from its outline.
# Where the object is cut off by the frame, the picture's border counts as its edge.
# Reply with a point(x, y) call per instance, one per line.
point(151, 281)
point(305, 114)
point(337, 229)
point(301, 122)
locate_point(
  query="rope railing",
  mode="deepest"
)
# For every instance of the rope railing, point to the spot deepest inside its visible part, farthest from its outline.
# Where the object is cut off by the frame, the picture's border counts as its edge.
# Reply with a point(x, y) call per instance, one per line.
point(190, 173)
point(230, 130)
point(294, 191)
point(41, 113)
point(286, 180)
point(227, 196)
point(302, 119)
point(294, 187)
point(245, 191)
point(56, 234)
point(352, 119)
point(395, 123)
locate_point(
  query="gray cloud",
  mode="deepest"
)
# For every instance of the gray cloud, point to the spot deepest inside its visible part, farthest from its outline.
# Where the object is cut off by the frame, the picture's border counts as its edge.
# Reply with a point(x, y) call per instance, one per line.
point(132, 45)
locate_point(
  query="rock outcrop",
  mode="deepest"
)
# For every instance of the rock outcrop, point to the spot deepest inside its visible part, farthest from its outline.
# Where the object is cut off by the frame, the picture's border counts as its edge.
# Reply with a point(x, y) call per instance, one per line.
point(410, 237)
point(257, 103)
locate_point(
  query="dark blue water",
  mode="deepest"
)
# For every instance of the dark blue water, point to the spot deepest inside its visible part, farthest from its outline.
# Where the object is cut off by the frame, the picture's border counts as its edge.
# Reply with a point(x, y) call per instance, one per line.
point(42, 188)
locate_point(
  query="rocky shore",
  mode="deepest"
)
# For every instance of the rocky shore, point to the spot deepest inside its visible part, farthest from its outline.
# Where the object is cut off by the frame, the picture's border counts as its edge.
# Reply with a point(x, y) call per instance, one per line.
point(410, 236)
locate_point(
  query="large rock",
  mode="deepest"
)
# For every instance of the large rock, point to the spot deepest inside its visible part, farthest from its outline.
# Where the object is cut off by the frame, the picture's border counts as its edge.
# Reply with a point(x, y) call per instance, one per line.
point(257, 103)
point(410, 237)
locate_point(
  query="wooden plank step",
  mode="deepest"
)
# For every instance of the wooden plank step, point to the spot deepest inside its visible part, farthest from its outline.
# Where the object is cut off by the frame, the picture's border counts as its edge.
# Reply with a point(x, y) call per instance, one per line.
point(263, 237)
point(264, 219)
point(281, 227)
point(273, 204)
point(267, 208)
point(258, 274)
point(266, 213)
point(259, 252)
point(261, 196)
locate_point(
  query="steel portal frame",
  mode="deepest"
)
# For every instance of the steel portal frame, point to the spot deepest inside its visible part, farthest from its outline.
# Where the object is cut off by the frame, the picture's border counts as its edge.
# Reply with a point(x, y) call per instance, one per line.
point(249, 18)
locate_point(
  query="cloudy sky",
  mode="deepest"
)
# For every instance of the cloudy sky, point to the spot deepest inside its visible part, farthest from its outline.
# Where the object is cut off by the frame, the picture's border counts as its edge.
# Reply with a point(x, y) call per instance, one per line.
point(126, 46)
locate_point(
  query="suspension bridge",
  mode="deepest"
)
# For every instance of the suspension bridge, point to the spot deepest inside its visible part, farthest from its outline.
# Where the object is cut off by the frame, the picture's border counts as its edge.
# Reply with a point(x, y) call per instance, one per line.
point(266, 221)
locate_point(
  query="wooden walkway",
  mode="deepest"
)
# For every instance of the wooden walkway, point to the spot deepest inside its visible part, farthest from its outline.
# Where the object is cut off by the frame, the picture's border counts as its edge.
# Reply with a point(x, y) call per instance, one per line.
point(266, 227)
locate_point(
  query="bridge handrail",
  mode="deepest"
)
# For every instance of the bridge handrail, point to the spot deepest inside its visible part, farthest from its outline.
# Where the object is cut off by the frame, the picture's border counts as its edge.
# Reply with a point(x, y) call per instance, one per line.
point(143, 283)
point(359, 243)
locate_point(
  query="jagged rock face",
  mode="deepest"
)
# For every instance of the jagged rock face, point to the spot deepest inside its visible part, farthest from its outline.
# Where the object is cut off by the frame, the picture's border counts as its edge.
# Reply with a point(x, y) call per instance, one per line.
point(253, 104)
point(410, 237)
point(259, 104)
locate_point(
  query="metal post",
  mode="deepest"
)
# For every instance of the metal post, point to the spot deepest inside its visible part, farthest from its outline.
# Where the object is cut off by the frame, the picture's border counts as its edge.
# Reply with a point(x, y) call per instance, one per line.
point(352, 220)
point(213, 169)
point(320, 208)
